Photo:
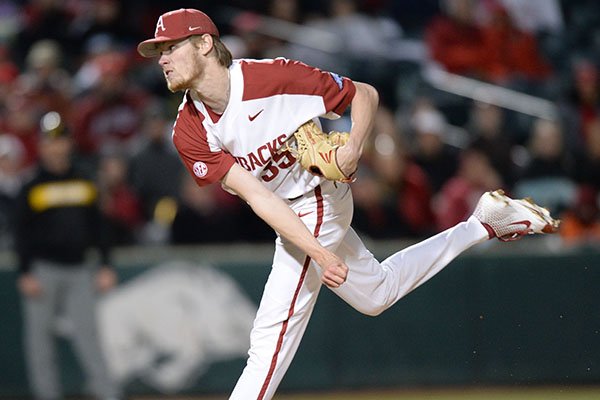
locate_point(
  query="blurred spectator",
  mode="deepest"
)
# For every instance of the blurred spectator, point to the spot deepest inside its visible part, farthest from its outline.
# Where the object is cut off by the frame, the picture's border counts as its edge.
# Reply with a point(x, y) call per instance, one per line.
point(532, 16)
point(375, 213)
point(438, 159)
point(118, 201)
point(9, 73)
point(547, 176)
point(43, 19)
point(511, 55)
point(87, 75)
point(583, 27)
point(155, 167)
point(10, 21)
point(381, 46)
point(57, 221)
point(250, 28)
point(109, 114)
point(44, 85)
point(582, 100)
point(45, 81)
point(587, 160)
point(285, 10)
point(459, 196)
point(378, 34)
point(204, 215)
point(8, 70)
point(44, 42)
point(392, 182)
point(396, 168)
point(45, 71)
point(21, 123)
point(498, 51)
point(371, 58)
point(580, 223)
point(392, 196)
point(455, 40)
point(12, 176)
point(491, 134)
point(102, 17)
point(11, 165)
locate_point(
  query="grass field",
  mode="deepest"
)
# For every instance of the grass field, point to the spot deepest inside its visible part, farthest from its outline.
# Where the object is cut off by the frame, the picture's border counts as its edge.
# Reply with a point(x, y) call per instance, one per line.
point(546, 393)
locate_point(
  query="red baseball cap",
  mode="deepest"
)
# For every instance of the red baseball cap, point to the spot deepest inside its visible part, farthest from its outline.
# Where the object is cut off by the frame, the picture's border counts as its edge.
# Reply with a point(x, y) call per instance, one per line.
point(177, 24)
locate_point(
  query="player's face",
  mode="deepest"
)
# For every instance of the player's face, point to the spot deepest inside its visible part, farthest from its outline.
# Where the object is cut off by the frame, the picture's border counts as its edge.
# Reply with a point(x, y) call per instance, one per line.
point(180, 64)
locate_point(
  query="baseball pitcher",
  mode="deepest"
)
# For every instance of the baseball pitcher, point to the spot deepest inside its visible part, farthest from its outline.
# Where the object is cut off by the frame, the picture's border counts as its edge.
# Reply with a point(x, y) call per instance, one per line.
point(253, 126)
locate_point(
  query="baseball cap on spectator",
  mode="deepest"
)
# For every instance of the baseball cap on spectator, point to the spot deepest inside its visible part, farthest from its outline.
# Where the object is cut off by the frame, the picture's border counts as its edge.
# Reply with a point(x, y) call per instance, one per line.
point(44, 53)
point(52, 126)
point(175, 25)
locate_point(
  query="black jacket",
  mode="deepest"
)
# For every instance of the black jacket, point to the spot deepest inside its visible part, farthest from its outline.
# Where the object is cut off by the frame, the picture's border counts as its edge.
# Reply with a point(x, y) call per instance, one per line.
point(57, 219)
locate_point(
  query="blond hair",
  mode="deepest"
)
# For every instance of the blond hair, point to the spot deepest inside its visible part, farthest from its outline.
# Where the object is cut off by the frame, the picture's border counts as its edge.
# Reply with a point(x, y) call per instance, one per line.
point(222, 53)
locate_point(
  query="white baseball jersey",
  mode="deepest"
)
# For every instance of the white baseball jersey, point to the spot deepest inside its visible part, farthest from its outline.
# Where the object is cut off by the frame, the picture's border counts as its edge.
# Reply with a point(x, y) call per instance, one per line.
point(269, 100)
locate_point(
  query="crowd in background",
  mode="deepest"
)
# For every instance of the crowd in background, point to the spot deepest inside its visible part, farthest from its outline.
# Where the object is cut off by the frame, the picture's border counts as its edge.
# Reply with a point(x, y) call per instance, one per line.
point(432, 153)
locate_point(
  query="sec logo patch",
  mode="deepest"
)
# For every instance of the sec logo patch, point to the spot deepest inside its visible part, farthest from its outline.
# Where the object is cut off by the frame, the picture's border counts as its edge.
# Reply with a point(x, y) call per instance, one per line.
point(200, 169)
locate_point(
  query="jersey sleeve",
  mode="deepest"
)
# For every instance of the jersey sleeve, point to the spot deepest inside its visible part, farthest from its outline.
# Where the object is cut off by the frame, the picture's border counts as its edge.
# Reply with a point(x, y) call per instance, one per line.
point(206, 164)
point(283, 76)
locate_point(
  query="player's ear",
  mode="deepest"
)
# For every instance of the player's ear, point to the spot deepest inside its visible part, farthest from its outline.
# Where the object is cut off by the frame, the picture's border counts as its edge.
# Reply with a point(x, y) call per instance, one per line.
point(204, 42)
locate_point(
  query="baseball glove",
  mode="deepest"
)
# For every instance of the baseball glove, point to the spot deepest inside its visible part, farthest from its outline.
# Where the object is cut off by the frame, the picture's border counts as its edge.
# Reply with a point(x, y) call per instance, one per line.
point(316, 151)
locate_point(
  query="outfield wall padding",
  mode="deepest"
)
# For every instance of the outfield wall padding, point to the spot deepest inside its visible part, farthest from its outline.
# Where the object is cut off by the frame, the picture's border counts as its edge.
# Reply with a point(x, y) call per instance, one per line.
point(486, 319)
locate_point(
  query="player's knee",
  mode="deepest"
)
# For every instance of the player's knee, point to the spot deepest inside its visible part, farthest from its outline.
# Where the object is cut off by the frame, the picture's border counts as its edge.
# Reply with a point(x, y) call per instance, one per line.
point(372, 310)
point(376, 311)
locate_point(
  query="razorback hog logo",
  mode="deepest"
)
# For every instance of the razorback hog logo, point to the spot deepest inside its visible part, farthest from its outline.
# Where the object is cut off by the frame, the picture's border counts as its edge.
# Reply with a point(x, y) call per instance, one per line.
point(202, 331)
point(327, 156)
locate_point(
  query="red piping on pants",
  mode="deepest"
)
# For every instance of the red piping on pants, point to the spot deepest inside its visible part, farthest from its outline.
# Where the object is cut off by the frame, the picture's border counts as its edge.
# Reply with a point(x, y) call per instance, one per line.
point(284, 326)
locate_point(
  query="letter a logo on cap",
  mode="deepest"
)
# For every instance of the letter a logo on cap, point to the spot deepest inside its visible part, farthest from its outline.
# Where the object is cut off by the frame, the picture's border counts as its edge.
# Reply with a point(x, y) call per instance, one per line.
point(160, 25)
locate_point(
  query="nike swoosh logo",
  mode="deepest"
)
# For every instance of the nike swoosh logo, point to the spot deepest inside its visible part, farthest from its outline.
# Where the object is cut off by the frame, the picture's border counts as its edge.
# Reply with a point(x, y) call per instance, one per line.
point(302, 214)
point(253, 117)
point(193, 28)
point(524, 222)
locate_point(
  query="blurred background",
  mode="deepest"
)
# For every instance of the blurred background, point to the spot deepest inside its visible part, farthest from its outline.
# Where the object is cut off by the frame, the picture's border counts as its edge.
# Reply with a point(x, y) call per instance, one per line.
point(475, 95)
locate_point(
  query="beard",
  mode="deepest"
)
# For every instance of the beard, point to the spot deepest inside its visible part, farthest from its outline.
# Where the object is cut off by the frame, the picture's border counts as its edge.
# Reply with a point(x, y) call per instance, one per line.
point(176, 85)
point(183, 78)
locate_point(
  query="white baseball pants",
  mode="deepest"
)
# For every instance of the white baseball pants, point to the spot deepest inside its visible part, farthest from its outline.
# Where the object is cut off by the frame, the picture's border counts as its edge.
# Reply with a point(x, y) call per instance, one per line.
point(293, 285)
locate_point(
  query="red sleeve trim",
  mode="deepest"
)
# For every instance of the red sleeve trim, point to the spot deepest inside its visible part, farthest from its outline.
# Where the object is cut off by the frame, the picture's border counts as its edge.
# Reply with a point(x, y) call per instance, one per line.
point(189, 136)
point(281, 76)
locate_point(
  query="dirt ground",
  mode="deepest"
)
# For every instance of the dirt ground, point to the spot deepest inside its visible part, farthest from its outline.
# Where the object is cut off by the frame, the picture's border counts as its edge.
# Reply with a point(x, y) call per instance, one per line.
point(516, 393)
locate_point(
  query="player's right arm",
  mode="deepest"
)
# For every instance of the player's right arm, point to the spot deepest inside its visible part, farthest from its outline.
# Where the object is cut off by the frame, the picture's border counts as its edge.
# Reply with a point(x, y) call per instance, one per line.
point(209, 165)
point(273, 210)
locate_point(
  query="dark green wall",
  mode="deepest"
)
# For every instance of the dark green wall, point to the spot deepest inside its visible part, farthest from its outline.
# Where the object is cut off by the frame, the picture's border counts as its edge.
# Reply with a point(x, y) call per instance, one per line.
point(485, 319)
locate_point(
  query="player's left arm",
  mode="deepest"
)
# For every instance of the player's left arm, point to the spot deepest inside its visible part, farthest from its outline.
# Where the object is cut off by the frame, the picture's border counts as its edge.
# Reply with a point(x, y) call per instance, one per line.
point(362, 112)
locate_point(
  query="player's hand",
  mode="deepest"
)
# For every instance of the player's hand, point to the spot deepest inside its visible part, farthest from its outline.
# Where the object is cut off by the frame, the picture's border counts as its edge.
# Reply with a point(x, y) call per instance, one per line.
point(29, 285)
point(335, 272)
point(106, 279)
